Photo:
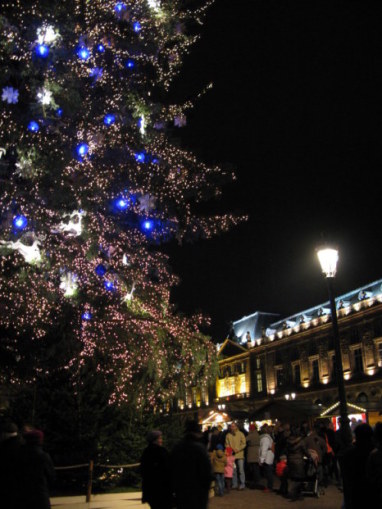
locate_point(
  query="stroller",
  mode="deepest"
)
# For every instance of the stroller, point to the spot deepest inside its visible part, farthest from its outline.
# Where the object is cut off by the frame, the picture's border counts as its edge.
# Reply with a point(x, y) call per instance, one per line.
point(311, 485)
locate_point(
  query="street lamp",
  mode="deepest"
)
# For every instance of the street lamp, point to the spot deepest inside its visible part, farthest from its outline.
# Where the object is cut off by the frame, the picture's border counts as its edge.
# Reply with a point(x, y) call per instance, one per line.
point(328, 259)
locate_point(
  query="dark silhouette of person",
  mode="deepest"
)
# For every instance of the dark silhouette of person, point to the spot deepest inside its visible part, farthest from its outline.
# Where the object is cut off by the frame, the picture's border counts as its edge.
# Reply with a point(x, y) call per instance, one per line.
point(374, 469)
point(355, 481)
point(191, 470)
point(9, 452)
point(35, 472)
point(155, 471)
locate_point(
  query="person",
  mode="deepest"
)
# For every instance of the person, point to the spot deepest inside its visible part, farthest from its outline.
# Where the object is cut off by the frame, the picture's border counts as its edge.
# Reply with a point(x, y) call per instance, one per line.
point(282, 474)
point(253, 447)
point(354, 477)
point(155, 472)
point(35, 472)
point(267, 456)
point(295, 460)
point(191, 471)
point(229, 468)
point(219, 461)
point(9, 451)
point(316, 447)
point(374, 469)
point(236, 440)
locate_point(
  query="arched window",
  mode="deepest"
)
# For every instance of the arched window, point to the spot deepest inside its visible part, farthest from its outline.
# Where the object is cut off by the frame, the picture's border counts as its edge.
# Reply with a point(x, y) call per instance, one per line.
point(362, 398)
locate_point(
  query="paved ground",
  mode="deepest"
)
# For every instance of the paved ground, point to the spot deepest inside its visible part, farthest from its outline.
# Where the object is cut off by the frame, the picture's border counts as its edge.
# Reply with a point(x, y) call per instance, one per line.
point(247, 499)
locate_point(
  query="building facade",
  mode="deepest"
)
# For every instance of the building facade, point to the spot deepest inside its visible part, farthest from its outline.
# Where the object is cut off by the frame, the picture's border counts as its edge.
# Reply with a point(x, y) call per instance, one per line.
point(293, 359)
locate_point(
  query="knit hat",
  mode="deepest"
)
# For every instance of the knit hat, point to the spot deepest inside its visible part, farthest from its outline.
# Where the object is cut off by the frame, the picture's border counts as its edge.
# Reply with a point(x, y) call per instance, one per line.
point(252, 427)
point(153, 435)
point(219, 447)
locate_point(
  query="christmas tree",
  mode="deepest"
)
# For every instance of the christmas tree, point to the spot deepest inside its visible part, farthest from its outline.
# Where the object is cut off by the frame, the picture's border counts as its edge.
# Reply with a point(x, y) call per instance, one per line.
point(91, 187)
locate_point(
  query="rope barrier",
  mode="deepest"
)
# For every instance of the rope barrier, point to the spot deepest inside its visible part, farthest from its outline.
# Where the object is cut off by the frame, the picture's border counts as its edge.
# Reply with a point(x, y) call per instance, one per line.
point(132, 465)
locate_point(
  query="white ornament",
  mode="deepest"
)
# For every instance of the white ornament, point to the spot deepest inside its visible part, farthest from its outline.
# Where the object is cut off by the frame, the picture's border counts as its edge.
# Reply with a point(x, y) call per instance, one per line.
point(129, 295)
point(74, 227)
point(44, 96)
point(147, 203)
point(31, 253)
point(142, 125)
point(46, 34)
point(10, 95)
point(154, 4)
point(69, 284)
point(125, 260)
point(3, 151)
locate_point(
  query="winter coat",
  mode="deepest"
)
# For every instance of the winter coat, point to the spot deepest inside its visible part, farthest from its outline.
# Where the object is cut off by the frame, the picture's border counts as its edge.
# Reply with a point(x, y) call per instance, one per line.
point(253, 447)
point(9, 452)
point(266, 454)
point(295, 457)
point(237, 443)
point(156, 479)
point(281, 468)
point(35, 474)
point(191, 473)
point(374, 476)
point(357, 492)
point(316, 443)
point(228, 470)
point(219, 461)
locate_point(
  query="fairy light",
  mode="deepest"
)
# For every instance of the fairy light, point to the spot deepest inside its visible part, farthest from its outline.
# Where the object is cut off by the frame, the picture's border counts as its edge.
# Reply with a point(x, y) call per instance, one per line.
point(71, 257)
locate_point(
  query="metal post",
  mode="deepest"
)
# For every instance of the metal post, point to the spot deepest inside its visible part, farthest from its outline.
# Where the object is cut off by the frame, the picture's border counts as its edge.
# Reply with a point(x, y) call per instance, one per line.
point(339, 369)
point(90, 481)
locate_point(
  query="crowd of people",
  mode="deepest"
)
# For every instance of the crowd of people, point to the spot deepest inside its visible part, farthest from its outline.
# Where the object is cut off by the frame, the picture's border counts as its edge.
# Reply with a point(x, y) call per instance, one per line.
point(233, 458)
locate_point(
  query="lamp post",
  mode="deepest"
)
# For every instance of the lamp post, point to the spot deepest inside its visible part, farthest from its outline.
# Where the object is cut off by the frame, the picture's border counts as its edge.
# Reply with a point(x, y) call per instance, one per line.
point(328, 259)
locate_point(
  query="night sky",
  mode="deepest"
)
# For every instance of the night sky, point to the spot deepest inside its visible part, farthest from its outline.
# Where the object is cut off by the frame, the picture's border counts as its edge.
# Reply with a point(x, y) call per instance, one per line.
point(296, 110)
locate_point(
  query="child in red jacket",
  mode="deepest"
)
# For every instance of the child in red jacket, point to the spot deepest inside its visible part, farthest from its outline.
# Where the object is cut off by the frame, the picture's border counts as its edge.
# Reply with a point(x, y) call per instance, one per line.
point(228, 470)
point(282, 474)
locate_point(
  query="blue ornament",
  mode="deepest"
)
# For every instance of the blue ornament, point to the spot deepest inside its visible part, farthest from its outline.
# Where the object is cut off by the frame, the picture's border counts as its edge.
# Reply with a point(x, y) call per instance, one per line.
point(82, 149)
point(33, 126)
point(42, 50)
point(86, 316)
point(109, 119)
point(140, 157)
point(130, 63)
point(100, 270)
point(59, 112)
point(83, 53)
point(122, 203)
point(137, 26)
point(20, 222)
point(148, 225)
point(120, 6)
point(109, 285)
point(100, 48)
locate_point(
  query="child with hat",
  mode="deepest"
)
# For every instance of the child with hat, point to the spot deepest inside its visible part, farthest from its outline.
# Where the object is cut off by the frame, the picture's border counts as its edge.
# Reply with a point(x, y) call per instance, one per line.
point(219, 461)
point(229, 468)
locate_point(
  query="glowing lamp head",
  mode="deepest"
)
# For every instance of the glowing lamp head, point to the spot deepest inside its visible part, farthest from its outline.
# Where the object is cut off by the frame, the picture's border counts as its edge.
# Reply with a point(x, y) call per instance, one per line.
point(130, 63)
point(137, 26)
point(109, 119)
point(100, 270)
point(100, 48)
point(86, 316)
point(42, 50)
point(82, 149)
point(83, 53)
point(33, 126)
point(109, 285)
point(328, 259)
point(20, 222)
point(148, 225)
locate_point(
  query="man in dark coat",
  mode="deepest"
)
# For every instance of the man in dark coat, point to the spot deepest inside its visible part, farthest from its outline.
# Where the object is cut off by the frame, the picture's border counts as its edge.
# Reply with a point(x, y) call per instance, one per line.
point(35, 472)
point(191, 470)
point(155, 471)
point(9, 451)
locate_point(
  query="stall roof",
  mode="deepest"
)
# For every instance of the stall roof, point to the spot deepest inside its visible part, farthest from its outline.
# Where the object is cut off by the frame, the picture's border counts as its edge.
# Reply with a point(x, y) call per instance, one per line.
point(292, 411)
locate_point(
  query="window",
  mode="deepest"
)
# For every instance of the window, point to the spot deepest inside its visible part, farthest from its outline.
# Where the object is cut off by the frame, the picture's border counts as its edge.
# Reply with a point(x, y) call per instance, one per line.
point(315, 371)
point(280, 377)
point(259, 382)
point(358, 364)
point(297, 374)
point(258, 363)
point(380, 354)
